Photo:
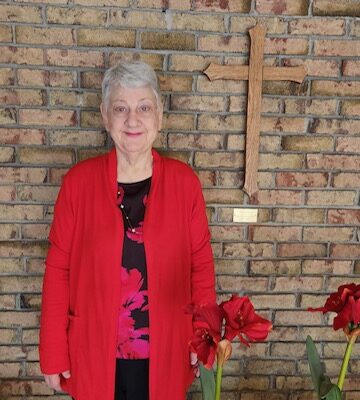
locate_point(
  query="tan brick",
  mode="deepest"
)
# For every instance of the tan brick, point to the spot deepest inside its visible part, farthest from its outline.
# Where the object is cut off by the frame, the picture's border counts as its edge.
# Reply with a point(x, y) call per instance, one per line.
point(296, 284)
point(21, 55)
point(253, 383)
point(221, 86)
point(327, 234)
point(234, 283)
point(332, 267)
point(191, 63)
point(18, 174)
point(117, 3)
point(197, 141)
point(7, 193)
point(338, 126)
point(323, 161)
point(221, 122)
point(196, 103)
point(9, 231)
point(274, 233)
point(274, 124)
point(273, 25)
point(300, 179)
point(49, 36)
point(322, 333)
point(33, 193)
point(271, 267)
point(10, 370)
point(256, 395)
point(30, 77)
point(216, 249)
point(6, 76)
point(229, 178)
point(236, 142)
point(35, 231)
point(350, 68)
point(75, 58)
point(346, 180)
point(139, 19)
point(348, 145)
point(339, 216)
point(317, 26)
point(225, 43)
point(270, 367)
point(30, 336)
point(171, 4)
point(47, 117)
point(25, 388)
point(178, 121)
point(7, 116)
point(283, 301)
point(35, 266)
point(345, 251)
point(307, 143)
point(315, 67)
point(336, 47)
point(11, 266)
point(227, 232)
point(162, 41)
point(293, 382)
point(335, 88)
point(301, 250)
point(20, 249)
point(294, 317)
point(335, 282)
point(19, 212)
point(45, 156)
point(299, 215)
point(20, 13)
point(8, 336)
point(218, 159)
point(207, 179)
point(7, 302)
point(77, 138)
point(312, 300)
point(333, 197)
point(226, 266)
point(286, 46)
point(12, 284)
point(290, 7)
point(327, 7)
point(290, 197)
point(91, 79)
point(311, 106)
point(5, 34)
point(155, 60)
point(258, 350)
point(350, 107)
point(286, 350)
point(106, 37)
point(7, 154)
point(227, 196)
point(76, 16)
point(248, 249)
point(75, 98)
point(242, 6)
point(175, 83)
point(22, 97)
point(91, 119)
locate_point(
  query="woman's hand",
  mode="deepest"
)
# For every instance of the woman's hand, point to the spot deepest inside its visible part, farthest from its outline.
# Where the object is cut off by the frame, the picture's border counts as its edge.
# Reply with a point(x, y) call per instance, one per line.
point(53, 380)
point(195, 364)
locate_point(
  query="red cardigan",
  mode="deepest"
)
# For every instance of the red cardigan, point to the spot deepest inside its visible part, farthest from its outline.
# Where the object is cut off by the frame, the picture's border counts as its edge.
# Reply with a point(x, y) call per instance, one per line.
point(81, 288)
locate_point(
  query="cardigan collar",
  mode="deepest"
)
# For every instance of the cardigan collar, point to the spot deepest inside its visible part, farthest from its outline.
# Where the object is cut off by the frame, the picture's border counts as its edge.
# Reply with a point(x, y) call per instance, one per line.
point(111, 160)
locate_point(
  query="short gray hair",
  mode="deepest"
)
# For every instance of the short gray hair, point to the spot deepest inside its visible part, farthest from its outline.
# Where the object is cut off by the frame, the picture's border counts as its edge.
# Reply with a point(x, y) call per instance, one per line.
point(130, 74)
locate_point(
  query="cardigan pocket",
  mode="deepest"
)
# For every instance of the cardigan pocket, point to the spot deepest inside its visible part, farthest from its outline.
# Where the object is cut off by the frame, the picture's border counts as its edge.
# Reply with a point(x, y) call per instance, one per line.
point(73, 334)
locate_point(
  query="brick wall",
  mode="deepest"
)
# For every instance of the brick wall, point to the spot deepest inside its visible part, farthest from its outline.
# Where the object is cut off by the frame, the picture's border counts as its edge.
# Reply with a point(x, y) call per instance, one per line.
point(306, 242)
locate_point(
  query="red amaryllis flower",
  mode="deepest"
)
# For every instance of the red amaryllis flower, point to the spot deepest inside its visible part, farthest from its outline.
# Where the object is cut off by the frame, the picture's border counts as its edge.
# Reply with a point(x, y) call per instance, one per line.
point(345, 303)
point(241, 320)
point(207, 331)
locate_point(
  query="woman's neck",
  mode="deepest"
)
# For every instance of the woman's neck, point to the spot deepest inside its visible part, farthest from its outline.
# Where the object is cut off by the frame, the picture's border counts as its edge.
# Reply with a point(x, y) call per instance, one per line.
point(133, 167)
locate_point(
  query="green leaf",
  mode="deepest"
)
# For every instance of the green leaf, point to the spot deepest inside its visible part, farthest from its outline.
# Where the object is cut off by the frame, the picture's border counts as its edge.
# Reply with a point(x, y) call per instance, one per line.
point(333, 394)
point(316, 369)
point(207, 380)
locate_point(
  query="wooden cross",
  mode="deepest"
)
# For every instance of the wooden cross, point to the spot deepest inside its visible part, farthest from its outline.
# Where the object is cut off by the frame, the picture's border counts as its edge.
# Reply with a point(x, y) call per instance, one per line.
point(255, 73)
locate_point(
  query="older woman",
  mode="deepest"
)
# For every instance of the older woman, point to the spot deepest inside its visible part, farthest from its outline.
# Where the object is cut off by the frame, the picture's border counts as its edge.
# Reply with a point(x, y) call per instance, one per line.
point(129, 249)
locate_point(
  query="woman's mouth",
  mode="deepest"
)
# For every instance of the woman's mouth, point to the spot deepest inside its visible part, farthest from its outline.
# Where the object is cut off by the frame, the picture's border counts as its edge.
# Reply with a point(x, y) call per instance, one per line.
point(133, 133)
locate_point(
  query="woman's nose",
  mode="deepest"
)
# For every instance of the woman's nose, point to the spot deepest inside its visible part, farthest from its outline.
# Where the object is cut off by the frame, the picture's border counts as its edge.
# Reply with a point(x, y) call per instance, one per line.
point(132, 119)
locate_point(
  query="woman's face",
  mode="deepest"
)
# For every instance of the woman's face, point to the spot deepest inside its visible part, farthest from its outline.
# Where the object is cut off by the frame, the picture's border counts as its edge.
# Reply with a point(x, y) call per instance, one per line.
point(133, 118)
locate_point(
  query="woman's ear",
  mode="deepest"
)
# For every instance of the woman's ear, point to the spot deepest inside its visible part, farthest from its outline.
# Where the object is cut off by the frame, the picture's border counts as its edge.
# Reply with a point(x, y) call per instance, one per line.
point(104, 116)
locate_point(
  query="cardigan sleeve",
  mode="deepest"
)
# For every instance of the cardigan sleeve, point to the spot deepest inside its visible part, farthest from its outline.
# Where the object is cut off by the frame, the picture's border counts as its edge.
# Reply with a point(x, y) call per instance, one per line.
point(202, 261)
point(53, 346)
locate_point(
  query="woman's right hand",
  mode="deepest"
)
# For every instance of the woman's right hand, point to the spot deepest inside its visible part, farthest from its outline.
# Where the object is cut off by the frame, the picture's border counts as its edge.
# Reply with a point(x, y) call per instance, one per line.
point(53, 380)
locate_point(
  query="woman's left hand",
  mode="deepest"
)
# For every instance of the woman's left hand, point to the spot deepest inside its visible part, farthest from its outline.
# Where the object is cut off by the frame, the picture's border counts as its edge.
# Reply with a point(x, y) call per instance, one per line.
point(195, 364)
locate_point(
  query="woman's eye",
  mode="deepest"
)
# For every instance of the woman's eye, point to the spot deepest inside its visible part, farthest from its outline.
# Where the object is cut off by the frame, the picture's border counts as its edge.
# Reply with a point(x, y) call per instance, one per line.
point(120, 109)
point(145, 108)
